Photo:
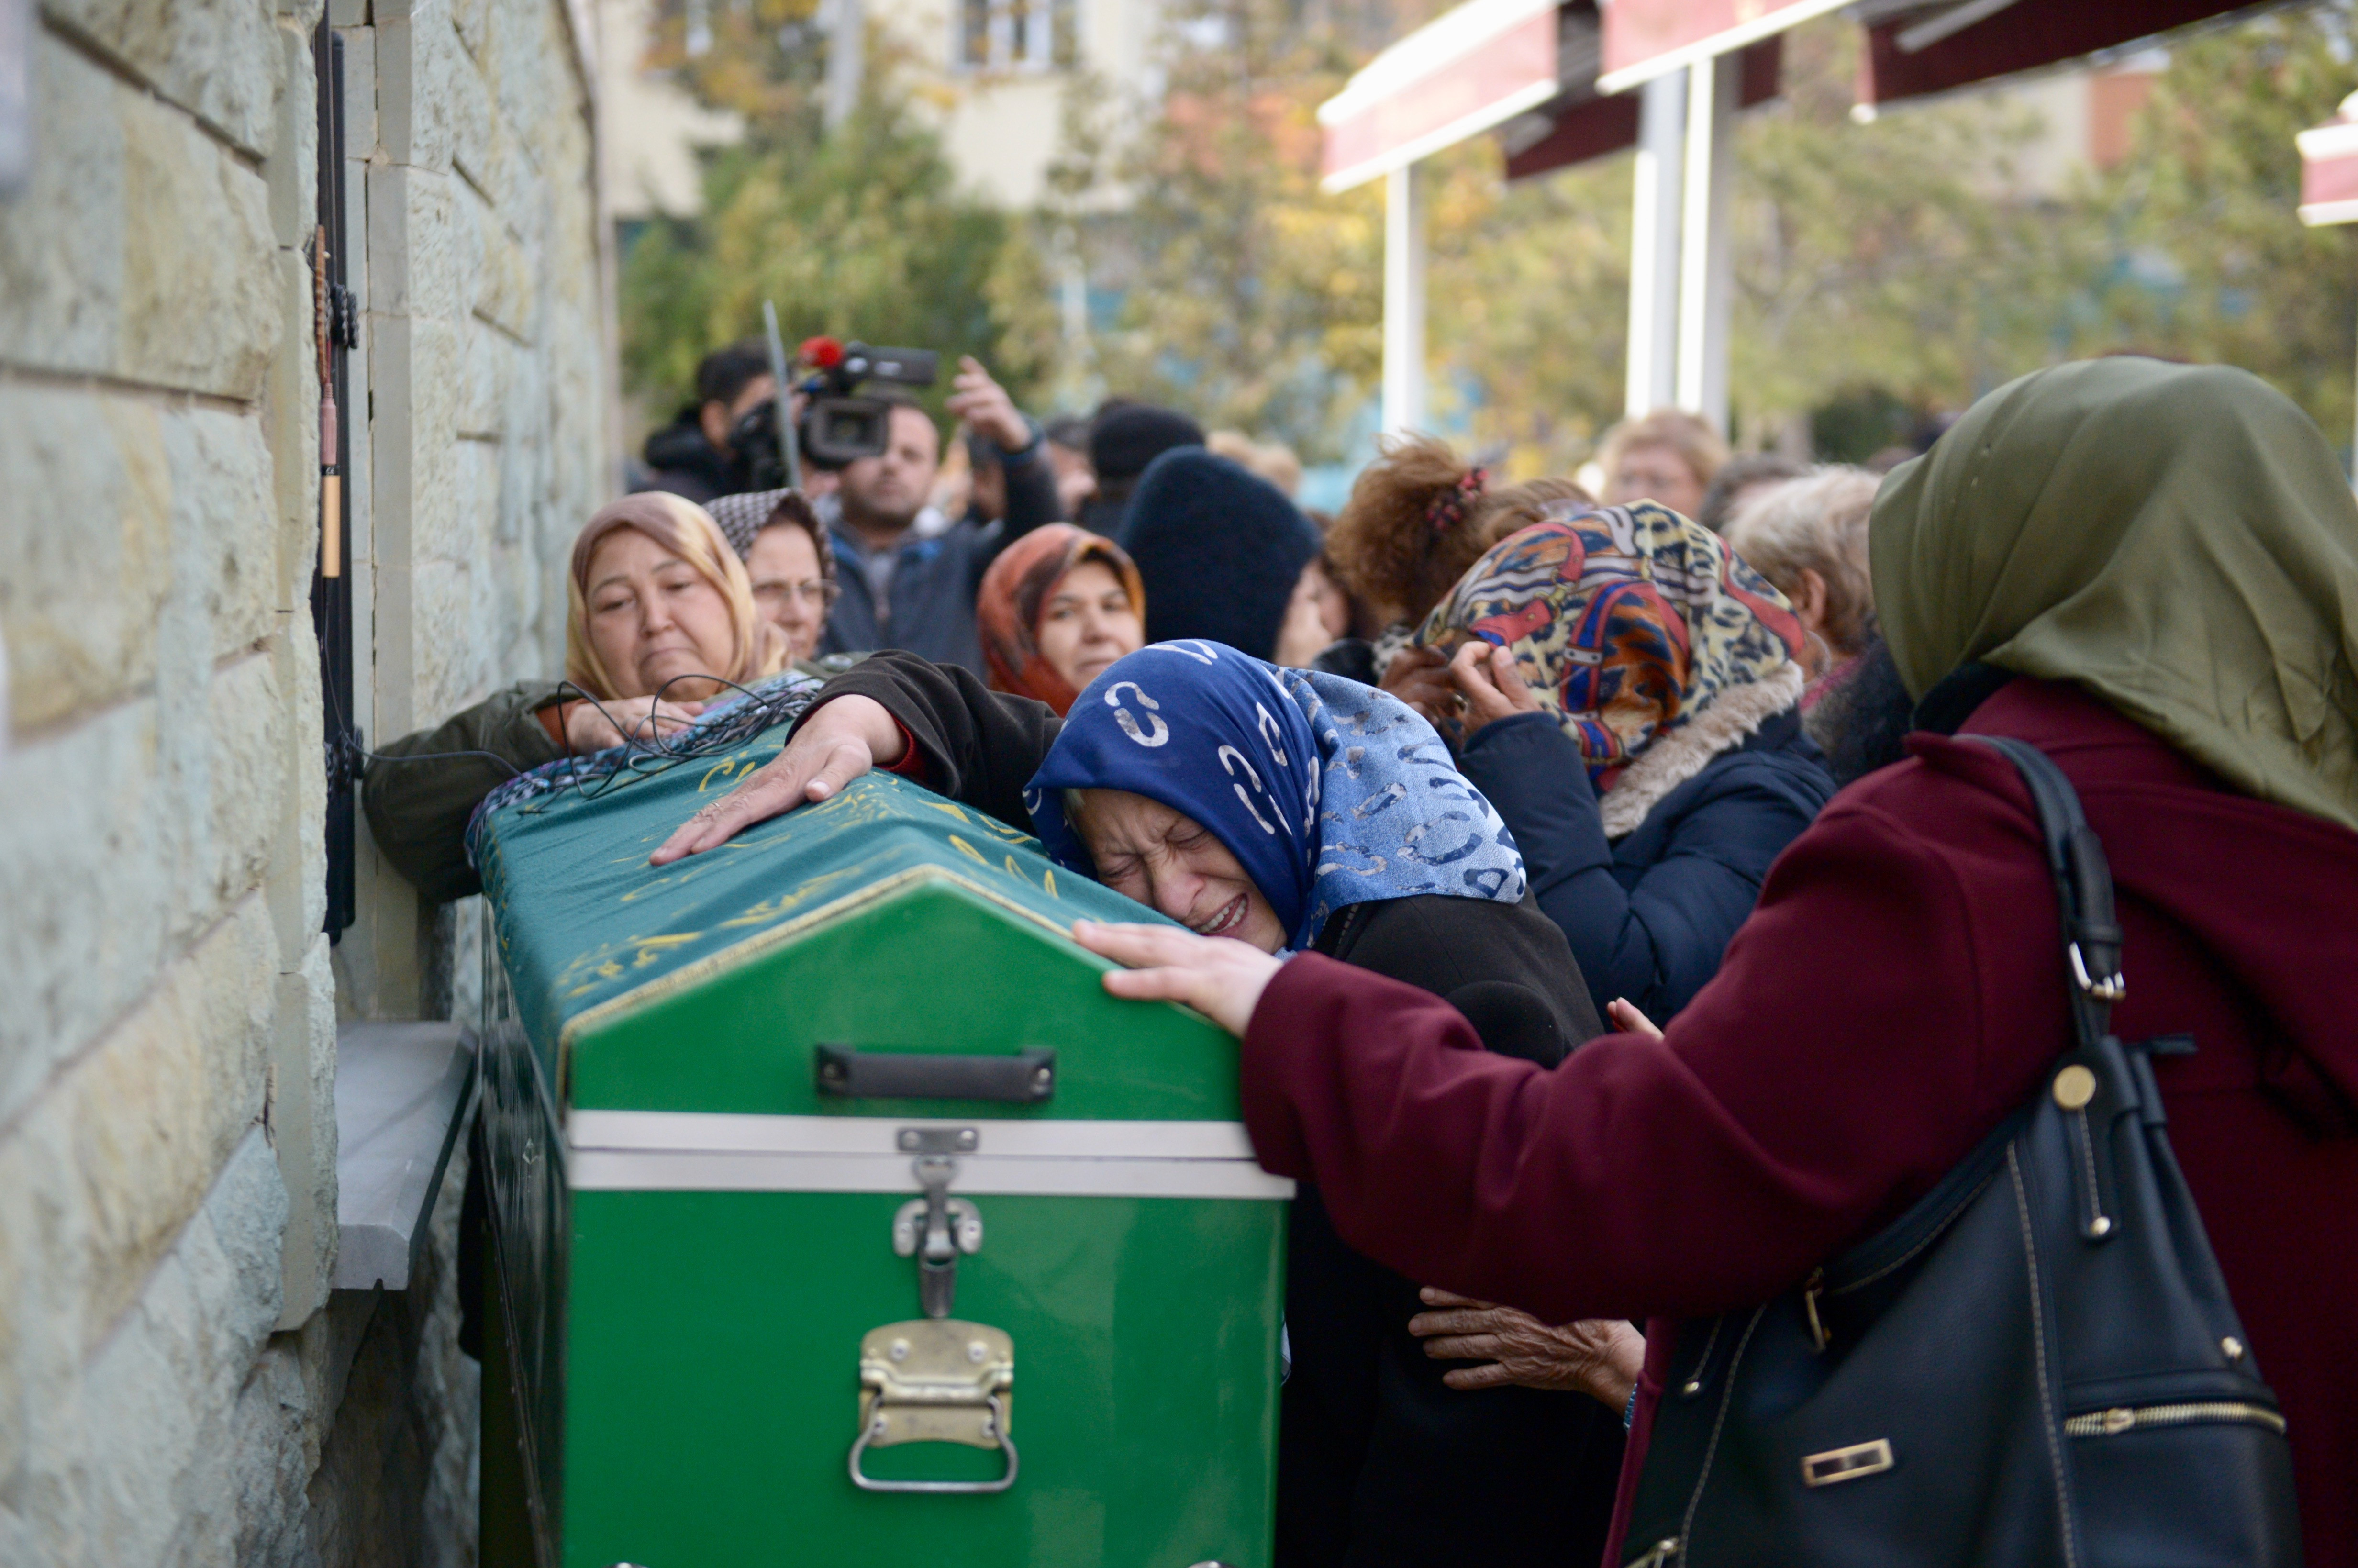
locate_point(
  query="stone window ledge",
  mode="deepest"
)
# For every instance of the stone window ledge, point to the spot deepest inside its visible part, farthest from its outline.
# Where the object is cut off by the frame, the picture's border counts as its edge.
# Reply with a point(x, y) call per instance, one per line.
point(403, 1092)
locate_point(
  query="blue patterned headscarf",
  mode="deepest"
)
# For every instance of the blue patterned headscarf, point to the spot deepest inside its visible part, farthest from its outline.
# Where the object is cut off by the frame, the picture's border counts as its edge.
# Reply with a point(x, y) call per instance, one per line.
point(1328, 792)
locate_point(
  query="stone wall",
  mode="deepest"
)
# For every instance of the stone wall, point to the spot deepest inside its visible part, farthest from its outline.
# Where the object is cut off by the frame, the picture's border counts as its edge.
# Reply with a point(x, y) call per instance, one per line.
point(175, 1384)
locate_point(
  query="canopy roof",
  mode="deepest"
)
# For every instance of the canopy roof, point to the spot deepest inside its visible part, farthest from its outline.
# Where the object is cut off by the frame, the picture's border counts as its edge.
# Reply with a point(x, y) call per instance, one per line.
point(1915, 48)
point(1551, 76)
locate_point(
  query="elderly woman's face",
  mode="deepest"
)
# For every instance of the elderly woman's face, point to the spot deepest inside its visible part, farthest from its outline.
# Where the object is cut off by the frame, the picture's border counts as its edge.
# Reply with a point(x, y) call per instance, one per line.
point(1655, 472)
point(655, 618)
point(788, 587)
point(1145, 850)
point(1087, 622)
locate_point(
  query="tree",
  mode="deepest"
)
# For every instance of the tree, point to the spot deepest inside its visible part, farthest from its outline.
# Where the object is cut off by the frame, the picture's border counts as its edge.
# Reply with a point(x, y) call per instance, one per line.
point(1248, 298)
point(2203, 255)
point(860, 234)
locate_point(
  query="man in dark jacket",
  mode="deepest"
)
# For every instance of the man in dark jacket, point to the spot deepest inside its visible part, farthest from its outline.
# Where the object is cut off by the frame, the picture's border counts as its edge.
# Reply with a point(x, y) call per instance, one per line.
point(691, 456)
point(908, 574)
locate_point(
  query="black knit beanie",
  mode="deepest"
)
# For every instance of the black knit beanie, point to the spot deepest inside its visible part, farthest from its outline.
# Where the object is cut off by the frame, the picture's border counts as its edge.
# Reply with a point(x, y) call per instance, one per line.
point(1220, 550)
point(1128, 437)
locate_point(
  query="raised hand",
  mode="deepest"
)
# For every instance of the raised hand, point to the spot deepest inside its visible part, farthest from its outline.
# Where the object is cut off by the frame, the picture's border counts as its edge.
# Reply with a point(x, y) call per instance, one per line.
point(833, 746)
point(1485, 676)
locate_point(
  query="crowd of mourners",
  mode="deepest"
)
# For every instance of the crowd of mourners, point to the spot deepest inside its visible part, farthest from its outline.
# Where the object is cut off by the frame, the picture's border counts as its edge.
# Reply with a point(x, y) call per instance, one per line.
point(1621, 909)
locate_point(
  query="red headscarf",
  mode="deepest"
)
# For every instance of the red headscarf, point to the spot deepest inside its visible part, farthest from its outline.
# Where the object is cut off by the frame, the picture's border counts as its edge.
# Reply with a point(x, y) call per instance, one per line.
point(1016, 588)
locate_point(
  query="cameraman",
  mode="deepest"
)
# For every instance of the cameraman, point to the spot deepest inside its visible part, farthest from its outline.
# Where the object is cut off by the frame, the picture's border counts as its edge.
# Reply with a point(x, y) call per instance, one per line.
point(691, 456)
point(908, 574)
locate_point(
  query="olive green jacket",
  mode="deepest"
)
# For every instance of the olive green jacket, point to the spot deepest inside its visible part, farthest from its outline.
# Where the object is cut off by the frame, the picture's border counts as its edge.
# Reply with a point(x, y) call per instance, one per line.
point(420, 790)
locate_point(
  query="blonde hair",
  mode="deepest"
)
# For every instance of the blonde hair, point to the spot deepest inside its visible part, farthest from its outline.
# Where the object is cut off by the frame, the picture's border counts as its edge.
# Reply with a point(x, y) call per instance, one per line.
point(1696, 443)
point(757, 649)
point(1418, 517)
point(1816, 522)
point(1273, 460)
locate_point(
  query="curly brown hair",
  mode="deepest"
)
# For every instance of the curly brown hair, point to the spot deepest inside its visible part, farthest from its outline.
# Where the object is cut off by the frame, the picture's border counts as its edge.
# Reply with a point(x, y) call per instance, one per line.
point(1405, 537)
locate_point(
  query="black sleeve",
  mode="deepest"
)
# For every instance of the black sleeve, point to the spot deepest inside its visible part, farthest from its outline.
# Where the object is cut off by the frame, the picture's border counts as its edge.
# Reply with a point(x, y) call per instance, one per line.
point(981, 747)
point(1505, 966)
point(419, 790)
point(1032, 502)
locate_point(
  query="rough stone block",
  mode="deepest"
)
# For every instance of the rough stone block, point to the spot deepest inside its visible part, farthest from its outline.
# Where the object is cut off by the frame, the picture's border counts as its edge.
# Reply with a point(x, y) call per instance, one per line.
point(97, 270)
point(418, 62)
point(160, 1396)
point(216, 59)
point(291, 425)
point(292, 168)
point(157, 1107)
point(418, 244)
point(223, 543)
point(503, 284)
point(82, 824)
point(80, 601)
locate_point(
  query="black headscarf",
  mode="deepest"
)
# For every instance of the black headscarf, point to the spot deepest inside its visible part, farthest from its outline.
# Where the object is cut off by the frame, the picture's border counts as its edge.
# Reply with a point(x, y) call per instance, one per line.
point(1220, 550)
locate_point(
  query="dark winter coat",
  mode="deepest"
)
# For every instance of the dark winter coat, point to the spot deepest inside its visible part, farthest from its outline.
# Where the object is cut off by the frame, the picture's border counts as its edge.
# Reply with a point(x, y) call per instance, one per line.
point(1379, 1463)
point(1650, 914)
point(928, 607)
point(680, 460)
point(1895, 997)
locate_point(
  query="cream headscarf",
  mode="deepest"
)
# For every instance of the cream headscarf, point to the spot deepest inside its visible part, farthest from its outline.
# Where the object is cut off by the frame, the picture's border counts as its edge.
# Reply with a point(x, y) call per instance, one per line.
point(2177, 540)
point(757, 649)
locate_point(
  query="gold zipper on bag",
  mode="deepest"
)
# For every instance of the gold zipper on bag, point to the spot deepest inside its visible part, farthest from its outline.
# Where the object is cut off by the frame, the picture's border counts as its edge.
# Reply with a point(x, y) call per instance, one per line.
point(2121, 1419)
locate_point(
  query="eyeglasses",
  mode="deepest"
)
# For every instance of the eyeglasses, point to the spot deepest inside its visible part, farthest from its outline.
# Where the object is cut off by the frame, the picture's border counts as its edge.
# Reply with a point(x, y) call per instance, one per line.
point(818, 592)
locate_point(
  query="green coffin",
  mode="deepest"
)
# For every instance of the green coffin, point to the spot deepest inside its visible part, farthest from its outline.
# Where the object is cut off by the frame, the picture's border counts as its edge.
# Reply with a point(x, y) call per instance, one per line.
point(715, 1097)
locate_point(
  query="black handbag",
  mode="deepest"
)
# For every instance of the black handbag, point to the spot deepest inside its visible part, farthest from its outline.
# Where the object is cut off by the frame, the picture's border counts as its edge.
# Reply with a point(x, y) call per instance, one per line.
point(2037, 1363)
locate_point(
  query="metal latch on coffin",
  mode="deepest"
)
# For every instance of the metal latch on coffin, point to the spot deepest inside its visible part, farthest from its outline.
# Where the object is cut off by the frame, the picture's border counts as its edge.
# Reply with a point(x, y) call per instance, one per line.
point(936, 1228)
point(936, 1380)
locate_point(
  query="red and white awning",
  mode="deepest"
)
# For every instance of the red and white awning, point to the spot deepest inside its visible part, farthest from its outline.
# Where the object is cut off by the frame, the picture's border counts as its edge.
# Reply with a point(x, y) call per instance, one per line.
point(2328, 168)
point(1935, 46)
point(1647, 39)
point(1477, 66)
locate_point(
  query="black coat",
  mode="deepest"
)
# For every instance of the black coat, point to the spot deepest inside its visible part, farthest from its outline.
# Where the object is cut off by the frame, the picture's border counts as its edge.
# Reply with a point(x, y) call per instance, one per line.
point(1380, 1463)
point(1648, 916)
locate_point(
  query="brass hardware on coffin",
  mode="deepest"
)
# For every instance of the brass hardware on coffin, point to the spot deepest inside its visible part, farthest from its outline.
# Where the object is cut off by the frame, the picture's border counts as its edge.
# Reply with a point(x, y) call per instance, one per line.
point(936, 1380)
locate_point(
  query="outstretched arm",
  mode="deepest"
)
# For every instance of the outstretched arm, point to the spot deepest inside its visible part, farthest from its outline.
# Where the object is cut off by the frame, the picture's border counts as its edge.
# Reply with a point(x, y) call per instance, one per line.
point(974, 745)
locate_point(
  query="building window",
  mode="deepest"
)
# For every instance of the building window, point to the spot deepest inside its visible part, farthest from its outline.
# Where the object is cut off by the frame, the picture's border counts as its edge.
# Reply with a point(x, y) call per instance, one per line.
point(1018, 34)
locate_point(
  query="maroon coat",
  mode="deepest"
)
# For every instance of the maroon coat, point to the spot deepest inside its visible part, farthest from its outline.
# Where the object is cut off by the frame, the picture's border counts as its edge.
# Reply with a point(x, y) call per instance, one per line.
point(1897, 991)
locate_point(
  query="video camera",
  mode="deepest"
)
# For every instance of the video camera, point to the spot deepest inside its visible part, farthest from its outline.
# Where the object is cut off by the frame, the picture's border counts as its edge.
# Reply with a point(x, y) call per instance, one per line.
point(838, 427)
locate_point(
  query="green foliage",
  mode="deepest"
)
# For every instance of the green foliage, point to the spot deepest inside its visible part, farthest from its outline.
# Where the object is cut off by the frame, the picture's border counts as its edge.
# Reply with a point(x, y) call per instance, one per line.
point(862, 233)
point(2202, 256)
point(1250, 299)
point(1527, 306)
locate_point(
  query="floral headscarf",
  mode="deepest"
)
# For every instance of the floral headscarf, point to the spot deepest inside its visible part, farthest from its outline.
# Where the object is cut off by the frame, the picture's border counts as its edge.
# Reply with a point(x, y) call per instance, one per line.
point(1016, 589)
point(757, 649)
point(1626, 620)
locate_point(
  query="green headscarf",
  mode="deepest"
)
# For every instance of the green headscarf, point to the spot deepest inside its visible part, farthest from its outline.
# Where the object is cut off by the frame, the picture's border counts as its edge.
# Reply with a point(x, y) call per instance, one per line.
point(2177, 540)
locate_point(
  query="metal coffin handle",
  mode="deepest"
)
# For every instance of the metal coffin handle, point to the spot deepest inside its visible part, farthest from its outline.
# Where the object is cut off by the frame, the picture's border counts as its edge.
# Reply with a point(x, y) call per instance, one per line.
point(844, 1072)
point(936, 1380)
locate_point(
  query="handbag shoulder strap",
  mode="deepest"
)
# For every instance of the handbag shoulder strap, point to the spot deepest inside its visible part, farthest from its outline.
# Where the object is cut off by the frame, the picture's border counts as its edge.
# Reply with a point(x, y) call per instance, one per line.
point(2083, 886)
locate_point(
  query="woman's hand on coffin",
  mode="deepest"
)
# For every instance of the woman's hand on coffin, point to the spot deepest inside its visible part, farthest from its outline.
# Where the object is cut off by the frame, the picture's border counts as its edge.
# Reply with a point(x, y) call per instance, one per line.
point(595, 726)
point(1218, 976)
point(1598, 1357)
point(833, 746)
point(1485, 676)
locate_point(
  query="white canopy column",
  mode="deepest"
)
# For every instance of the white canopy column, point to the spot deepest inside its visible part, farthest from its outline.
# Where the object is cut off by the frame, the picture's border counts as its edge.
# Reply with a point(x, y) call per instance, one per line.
point(1403, 404)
